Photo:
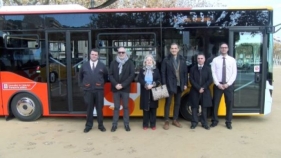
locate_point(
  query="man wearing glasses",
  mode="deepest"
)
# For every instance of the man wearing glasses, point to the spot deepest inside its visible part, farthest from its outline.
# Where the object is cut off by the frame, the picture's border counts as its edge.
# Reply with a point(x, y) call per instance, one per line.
point(92, 76)
point(121, 75)
point(224, 71)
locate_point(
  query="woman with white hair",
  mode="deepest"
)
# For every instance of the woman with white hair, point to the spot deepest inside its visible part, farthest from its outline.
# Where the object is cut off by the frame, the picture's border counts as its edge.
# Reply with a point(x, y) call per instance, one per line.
point(149, 77)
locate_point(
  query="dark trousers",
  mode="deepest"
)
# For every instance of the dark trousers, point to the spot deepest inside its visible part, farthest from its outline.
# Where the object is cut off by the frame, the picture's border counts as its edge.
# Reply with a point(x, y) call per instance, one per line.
point(194, 120)
point(118, 96)
point(177, 99)
point(149, 117)
point(94, 98)
point(228, 94)
point(195, 116)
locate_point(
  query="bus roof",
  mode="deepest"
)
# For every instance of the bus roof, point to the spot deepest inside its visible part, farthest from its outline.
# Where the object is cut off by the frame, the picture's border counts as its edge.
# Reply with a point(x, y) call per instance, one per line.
point(76, 8)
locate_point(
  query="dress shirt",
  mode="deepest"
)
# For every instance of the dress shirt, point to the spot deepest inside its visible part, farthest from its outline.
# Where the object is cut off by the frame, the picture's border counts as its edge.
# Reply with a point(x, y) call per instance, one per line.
point(231, 69)
point(95, 63)
point(200, 66)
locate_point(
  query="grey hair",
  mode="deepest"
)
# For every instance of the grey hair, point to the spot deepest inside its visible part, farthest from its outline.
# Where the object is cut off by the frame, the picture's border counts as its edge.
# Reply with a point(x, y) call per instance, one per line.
point(153, 60)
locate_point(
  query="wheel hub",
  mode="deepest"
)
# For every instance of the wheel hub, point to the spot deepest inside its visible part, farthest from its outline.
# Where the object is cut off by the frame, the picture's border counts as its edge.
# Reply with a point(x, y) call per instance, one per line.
point(25, 106)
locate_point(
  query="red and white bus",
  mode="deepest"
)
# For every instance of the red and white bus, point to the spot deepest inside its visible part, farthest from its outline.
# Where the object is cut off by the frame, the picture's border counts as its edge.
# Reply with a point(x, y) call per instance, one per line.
point(43, 47)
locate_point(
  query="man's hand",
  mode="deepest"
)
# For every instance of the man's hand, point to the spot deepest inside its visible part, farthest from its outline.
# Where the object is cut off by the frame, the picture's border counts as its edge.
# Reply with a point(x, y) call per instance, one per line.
point(184, 87)
point(118, 86)
point(225, 86)
point(201, 90)
point(220, 87)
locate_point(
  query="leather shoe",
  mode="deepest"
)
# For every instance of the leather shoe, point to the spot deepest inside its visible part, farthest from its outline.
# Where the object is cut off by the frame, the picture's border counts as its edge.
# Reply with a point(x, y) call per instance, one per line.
point(127, 128)
point(102, 129)
point(86, 130)
point(206, 127)
point(228, 126)
point(176, 123)
point(166, 125)
point(113, 129)
point(192, 127)
point(213, 124)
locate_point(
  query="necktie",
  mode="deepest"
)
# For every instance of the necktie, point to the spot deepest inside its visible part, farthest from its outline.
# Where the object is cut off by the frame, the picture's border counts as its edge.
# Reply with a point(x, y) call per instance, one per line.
point(223, 71)
point(175, 62)
point(93, 67)
point(200, 77)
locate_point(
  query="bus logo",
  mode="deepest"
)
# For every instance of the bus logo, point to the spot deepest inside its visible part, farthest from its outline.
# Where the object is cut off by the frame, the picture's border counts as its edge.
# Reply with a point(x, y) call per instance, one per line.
point(18, 85)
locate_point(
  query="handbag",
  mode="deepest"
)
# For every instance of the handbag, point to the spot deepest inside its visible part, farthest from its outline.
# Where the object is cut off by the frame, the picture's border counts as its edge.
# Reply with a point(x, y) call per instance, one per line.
point(159, 92)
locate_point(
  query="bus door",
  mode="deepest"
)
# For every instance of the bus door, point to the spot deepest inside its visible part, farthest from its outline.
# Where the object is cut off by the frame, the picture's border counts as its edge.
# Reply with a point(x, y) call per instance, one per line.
point(67, 50)
point(249, 47)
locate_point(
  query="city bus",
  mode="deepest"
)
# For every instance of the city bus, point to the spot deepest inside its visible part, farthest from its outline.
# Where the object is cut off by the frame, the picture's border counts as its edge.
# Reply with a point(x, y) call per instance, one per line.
point(43, 47)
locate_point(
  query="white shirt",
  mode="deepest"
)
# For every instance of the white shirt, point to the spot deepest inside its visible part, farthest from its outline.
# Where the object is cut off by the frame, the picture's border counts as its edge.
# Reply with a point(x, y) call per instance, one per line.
point(231, 69)
point(95, 63)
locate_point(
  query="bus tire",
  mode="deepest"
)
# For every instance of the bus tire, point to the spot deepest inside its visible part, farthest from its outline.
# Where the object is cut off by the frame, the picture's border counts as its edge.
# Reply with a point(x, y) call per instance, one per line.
point(26, 107)
point(185, 109)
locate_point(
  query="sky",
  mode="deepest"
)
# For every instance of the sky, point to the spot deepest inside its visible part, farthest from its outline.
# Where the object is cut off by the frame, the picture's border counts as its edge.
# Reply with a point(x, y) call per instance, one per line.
point(275, 4)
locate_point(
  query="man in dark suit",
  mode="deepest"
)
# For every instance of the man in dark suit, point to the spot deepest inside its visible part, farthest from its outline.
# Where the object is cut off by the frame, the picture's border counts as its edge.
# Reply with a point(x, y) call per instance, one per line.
point(92, 76)
point(121, 75)
point(174, 75)
point(200, 78)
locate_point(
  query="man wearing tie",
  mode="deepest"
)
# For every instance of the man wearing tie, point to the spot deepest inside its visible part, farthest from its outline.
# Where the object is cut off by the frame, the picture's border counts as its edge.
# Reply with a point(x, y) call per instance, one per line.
point(200, 77)
point(92, 76)
point(174, 75)
point(224, 71)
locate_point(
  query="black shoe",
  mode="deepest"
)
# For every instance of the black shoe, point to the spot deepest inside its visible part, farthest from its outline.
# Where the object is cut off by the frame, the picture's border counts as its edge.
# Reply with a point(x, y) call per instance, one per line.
point(192, 127)
point(113, 129)
point(228, 126)
point(86, 130)
point(127, 128)
point(102, 129)
point(206, 127)
point(213, 124)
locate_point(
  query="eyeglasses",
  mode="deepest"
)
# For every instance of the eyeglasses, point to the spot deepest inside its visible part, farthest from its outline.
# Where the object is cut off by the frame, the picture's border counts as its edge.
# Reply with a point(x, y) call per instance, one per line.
point(224, 47)
point(121, 52)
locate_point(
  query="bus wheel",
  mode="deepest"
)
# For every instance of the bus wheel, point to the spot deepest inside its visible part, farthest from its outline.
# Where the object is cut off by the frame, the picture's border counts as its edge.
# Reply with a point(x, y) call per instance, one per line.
point(26, 107)
point(186, 110)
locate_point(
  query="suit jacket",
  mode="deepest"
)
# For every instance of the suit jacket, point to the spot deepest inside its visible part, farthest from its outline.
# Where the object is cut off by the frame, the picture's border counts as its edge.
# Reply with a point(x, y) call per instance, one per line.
point(125, 78)
point(93, 80)
point(146, 99)
point(168, 73)
point(206, 81)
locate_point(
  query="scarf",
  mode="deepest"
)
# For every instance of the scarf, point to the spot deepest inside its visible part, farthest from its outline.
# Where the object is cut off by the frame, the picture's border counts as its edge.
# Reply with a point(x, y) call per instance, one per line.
point(121, 63)
point(148, 78)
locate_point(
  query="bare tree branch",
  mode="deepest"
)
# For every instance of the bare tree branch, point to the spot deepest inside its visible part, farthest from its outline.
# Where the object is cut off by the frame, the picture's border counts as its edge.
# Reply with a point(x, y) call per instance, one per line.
point(46, 2)
point(19, 3)
point(125, 3)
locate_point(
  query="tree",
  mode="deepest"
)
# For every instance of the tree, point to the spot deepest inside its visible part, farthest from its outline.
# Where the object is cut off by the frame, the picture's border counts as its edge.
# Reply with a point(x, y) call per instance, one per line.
point(124, 3)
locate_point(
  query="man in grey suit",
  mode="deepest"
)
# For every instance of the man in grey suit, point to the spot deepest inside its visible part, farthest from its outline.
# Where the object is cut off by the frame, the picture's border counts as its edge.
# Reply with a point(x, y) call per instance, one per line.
point(92, 76)
point(121, 75)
